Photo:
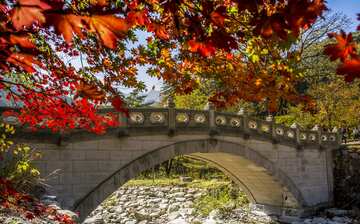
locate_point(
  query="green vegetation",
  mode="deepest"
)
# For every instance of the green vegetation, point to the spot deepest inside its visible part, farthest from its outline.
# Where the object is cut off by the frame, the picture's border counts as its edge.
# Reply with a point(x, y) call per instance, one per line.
point(183, 166)
point(16, 161)
point(224, 197)
point(204, 184)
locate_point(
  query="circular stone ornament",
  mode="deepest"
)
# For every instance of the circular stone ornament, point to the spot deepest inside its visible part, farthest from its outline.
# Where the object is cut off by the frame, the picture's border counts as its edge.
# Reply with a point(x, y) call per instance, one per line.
point(137, 117)
point(200, 118)
point(332, 138)
point(312, 137)
point(279, 131)
point(324, 138)
point(302, 136)
point(157, 117)
point(182, 118)
point(290, 134)
point(235, 122)
point(220, 120)
point(265, 128)
point(252, 124)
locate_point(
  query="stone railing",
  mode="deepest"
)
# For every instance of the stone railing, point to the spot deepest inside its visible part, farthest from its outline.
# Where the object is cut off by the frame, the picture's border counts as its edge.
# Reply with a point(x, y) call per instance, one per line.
point(173, 121)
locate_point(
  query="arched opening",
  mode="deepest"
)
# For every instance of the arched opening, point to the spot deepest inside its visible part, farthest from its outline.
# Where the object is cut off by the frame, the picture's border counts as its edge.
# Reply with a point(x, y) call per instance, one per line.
point(263, 182)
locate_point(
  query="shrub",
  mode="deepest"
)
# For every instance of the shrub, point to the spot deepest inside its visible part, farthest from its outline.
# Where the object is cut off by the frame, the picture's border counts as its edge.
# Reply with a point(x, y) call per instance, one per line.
point(18, 176)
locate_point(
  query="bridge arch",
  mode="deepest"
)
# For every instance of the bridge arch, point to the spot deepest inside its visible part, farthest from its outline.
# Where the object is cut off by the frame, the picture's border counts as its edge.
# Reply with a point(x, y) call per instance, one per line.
point(262, 180)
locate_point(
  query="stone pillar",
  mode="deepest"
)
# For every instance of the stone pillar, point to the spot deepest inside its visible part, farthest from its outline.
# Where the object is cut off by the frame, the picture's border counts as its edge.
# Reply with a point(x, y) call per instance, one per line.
point(212, 122)
point(123, 124)
point(295, 127)
point(245, 121)
point(172, 116)
point(212, 116)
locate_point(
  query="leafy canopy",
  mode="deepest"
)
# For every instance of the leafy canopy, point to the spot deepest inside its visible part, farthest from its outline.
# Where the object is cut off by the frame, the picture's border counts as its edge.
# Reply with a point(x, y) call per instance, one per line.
point(242, 47)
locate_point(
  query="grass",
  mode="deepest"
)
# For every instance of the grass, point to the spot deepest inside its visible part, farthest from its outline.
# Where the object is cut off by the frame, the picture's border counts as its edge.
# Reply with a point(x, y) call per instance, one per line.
point(204, 184)
point(224, 198)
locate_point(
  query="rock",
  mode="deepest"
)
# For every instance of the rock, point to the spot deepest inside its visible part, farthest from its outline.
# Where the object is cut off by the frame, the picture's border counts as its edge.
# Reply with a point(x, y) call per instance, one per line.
point(210, 221)
point(180, 199)
point(173, 215)
point(214, 214)
point(69, 213)
point(259, 213)
point(178, 194)
point(133, 221)
point(337, 212)
point(163, 206)
point(179, 220)
point(173, 207)
point(94, 220)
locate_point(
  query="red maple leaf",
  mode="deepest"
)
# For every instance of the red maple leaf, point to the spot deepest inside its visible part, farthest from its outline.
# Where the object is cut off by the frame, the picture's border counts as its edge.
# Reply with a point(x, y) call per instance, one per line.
point(117, 103)
point(205, 49)
point(67, 25)
point(90, 91)
point(217, 18)
point(27, 12)
point(138, 18)
point(344, 47)
point(25, 61)
point(159, 30)
point(350, 69)
point(23, 41)
point(108, 27)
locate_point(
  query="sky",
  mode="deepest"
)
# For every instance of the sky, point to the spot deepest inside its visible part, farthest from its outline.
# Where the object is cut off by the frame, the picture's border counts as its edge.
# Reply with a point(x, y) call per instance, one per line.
point(348, 7)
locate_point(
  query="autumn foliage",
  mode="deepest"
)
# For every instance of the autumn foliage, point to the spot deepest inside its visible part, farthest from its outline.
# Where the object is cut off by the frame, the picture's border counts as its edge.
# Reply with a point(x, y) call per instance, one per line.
point(26, 205)
point(61, 60)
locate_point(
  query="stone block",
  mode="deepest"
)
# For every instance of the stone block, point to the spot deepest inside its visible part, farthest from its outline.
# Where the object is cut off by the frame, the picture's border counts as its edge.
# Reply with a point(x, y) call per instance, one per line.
point(70, 155)
point(97, 155)
point(85, 166)
point(62, 166)
point(110, 166)
point(49, 155)
point(121, 156)
point(86, 145)
point(111, 144)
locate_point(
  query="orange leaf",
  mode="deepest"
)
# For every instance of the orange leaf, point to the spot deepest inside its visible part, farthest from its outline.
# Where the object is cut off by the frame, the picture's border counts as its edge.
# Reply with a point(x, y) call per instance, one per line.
point(101, 3)
point(25, 61)
point(193, 45)
point(109, 28)
point(138, 18)
point(27, 12)
point(159, 31)
point(217, 18)
point(90, 91)
point(350, 68)
point(67, 25)
point(344, 47)
point(23, 41)
point(207, 49)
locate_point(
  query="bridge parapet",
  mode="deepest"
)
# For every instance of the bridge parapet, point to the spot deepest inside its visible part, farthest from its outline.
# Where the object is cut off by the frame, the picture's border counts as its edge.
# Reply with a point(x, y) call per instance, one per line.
point(172, 121)
point(220, 123)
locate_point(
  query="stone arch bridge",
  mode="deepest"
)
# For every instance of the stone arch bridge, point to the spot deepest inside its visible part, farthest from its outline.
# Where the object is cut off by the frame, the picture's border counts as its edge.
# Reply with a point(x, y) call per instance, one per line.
point(284, 171)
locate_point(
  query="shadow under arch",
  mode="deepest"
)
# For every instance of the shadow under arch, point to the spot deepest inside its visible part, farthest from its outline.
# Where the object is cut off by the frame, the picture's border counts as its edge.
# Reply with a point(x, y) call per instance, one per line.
point(260, 178)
